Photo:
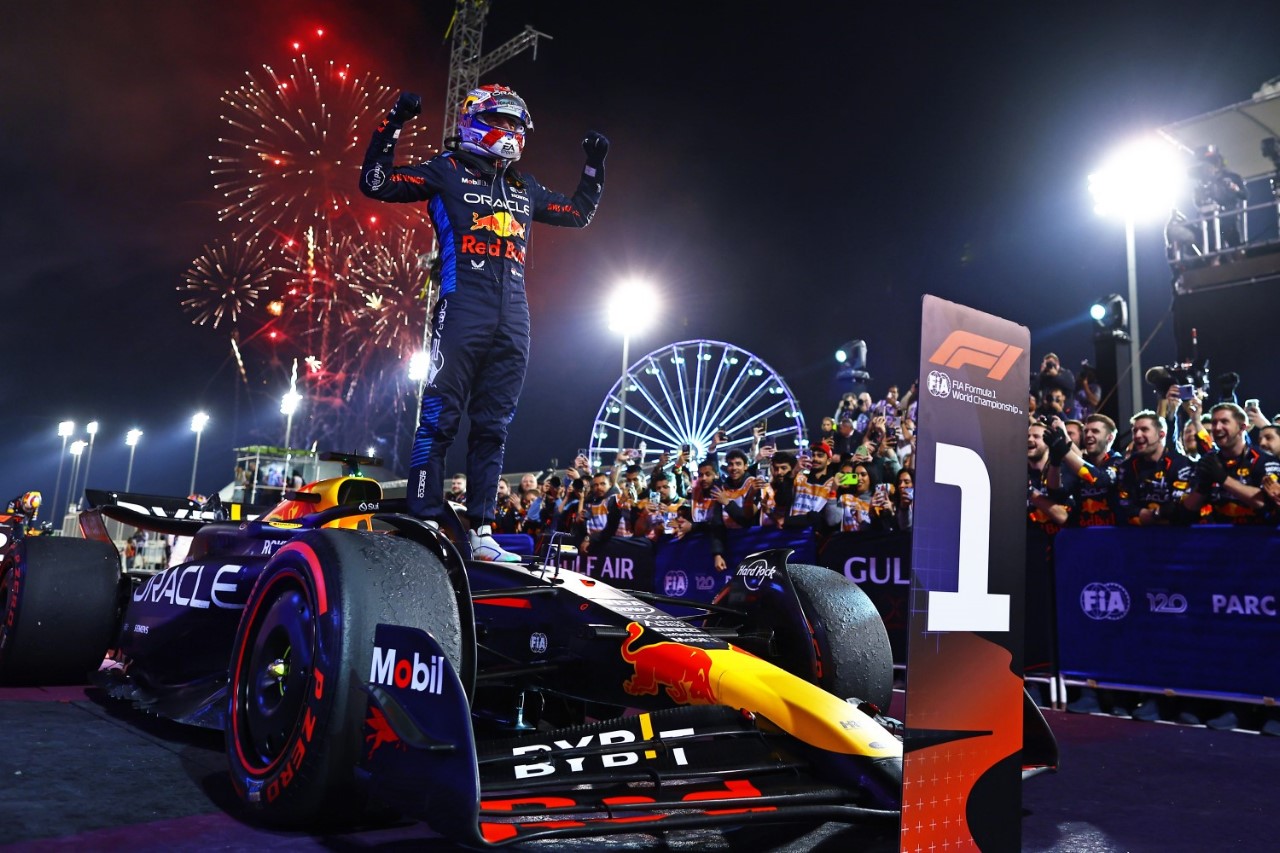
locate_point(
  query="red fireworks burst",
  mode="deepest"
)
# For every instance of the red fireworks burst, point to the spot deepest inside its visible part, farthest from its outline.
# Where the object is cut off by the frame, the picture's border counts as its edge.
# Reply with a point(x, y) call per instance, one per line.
point(294, 144)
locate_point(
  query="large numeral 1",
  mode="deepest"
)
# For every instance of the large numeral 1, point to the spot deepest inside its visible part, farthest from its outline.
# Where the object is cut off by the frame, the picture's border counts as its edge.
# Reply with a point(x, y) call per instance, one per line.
point(971, 607)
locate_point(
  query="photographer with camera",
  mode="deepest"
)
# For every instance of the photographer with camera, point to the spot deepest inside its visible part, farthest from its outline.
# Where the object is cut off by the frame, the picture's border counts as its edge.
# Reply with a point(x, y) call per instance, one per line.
point(1053, 375)
point(879, 450)
point(1217, 190)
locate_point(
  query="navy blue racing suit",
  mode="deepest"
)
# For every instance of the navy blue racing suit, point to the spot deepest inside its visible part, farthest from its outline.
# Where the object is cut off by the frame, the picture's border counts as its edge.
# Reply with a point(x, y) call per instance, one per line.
point(482, 212)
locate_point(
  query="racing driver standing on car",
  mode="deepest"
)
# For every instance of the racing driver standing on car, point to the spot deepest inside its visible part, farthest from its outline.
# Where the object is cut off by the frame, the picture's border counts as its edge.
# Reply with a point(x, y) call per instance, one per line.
point(482, 209)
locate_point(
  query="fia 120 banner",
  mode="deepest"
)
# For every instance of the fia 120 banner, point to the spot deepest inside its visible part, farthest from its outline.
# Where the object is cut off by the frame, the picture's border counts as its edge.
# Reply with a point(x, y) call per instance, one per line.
point(962, 768)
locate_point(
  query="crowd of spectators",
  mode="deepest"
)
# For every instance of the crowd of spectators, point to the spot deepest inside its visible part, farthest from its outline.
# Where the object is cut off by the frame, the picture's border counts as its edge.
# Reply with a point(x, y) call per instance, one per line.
point(1191, 460)
point(1188, 461)
point(855, 474)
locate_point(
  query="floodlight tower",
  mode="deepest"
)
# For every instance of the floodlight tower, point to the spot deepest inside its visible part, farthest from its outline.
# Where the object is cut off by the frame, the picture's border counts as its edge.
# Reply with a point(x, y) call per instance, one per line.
point(466, 64)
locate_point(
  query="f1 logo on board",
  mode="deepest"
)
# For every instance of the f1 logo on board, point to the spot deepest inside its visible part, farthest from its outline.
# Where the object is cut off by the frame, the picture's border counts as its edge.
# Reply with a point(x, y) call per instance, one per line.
point(961, 348)
point(419, 676)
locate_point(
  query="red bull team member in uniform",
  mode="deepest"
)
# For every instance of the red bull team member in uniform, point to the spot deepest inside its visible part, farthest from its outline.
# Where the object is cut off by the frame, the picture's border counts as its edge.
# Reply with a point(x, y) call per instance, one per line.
point(1153, 480)
point(1232, 475)
point(482, 209)
point(1089, 472)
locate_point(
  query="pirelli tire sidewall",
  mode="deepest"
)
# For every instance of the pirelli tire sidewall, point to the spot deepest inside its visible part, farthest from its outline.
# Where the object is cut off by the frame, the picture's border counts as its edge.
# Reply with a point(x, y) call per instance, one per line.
point(326, 591)
point(848, 635)
point(59, 609)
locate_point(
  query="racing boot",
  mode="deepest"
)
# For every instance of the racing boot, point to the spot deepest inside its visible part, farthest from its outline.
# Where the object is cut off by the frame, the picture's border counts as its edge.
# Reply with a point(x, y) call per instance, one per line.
point(484, 547)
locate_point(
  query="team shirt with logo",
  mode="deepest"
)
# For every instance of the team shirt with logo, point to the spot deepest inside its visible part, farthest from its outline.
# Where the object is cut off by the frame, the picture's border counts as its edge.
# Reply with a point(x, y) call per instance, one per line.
point(1145, 484)
point(1251, 468)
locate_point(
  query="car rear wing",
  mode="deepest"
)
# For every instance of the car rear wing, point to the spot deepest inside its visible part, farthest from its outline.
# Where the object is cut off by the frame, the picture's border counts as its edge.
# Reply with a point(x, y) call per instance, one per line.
point(165, 514)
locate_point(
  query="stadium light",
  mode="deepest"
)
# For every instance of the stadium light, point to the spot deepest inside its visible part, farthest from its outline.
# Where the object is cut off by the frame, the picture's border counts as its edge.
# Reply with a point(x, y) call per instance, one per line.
point(418, 364)
point(77, 449)
point(630, 310)
point(198, 422)
point(1140, 181)
point(1110, 313)
point(131, 440)
point(92, 429)
point(65, 430)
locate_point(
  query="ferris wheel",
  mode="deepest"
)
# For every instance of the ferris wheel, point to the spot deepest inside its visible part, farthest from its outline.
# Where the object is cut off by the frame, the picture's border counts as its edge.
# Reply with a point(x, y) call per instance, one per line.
point(683, 393)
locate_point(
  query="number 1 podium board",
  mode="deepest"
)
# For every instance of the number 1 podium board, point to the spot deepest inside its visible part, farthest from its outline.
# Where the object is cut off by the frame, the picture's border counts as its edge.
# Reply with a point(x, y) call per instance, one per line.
point(962, 786)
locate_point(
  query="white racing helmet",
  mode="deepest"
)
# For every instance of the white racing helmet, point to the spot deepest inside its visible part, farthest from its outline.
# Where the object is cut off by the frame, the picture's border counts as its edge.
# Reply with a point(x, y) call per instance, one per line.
point(479, 137)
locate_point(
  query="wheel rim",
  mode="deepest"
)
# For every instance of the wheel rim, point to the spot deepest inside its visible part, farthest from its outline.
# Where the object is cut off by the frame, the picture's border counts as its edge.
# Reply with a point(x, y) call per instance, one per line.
point(274, 679)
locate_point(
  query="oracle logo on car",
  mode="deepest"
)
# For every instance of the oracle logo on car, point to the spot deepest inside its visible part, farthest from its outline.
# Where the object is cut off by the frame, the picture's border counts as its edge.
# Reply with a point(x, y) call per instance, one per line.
point(419, 676)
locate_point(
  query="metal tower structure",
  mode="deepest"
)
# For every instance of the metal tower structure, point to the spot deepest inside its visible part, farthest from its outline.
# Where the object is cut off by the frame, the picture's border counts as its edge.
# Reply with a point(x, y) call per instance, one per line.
point(466, 63)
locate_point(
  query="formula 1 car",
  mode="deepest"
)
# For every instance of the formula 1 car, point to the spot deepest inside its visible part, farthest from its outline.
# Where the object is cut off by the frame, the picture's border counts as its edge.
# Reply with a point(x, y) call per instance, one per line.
point(355, 658)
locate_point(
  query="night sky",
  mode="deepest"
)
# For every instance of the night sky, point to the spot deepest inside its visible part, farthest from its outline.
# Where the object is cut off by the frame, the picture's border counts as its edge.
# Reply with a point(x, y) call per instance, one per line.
point(788, 178)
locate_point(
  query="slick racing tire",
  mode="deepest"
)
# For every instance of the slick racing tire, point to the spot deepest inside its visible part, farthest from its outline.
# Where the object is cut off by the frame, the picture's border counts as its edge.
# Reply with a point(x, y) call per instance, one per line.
point(58, 609)
point(848, 635)
point(296, 723)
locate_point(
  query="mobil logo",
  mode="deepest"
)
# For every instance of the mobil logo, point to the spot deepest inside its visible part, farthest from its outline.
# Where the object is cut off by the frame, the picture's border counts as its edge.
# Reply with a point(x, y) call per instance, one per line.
point(392, 671)
point(1104, 601)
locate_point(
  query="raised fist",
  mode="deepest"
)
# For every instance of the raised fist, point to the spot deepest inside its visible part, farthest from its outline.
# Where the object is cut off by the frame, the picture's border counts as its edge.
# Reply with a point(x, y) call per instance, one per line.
point(596, 145)
point(408, 106)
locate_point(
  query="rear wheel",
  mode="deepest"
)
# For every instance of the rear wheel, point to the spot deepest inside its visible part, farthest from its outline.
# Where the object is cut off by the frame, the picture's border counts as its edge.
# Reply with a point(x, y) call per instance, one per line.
point(852, 646)
point(296, 722)
point(58, 609)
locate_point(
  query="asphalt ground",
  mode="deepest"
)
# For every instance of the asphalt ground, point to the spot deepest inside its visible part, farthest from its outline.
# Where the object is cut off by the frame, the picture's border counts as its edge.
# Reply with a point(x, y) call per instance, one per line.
point(81, 772)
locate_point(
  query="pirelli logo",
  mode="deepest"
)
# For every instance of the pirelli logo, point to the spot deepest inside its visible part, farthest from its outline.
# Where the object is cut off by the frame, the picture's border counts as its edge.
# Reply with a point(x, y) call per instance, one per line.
point(965, 348)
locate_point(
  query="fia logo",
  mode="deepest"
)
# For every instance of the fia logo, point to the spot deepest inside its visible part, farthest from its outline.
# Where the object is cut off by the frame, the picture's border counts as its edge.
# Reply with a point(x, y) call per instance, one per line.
point(1104, 602)
point(675, 584)
point(939, 384)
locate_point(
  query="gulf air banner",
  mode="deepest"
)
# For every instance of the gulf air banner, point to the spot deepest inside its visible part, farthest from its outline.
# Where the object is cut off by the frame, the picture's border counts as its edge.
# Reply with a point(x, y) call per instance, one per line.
point(962, 769)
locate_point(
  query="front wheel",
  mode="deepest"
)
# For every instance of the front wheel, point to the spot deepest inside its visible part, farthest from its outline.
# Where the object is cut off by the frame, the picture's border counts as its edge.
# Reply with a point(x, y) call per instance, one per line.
point(847, 635)
point(296, 721)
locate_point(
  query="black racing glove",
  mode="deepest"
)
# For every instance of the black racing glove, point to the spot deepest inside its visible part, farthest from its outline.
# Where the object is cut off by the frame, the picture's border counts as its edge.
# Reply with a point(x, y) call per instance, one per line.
point(408, 107)
point(1058, 443)
point(1210, 470)
point(597, 146)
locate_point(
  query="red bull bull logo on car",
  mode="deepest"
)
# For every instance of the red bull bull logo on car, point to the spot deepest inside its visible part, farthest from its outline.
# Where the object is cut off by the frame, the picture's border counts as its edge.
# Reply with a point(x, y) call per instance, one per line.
point(684, 670)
